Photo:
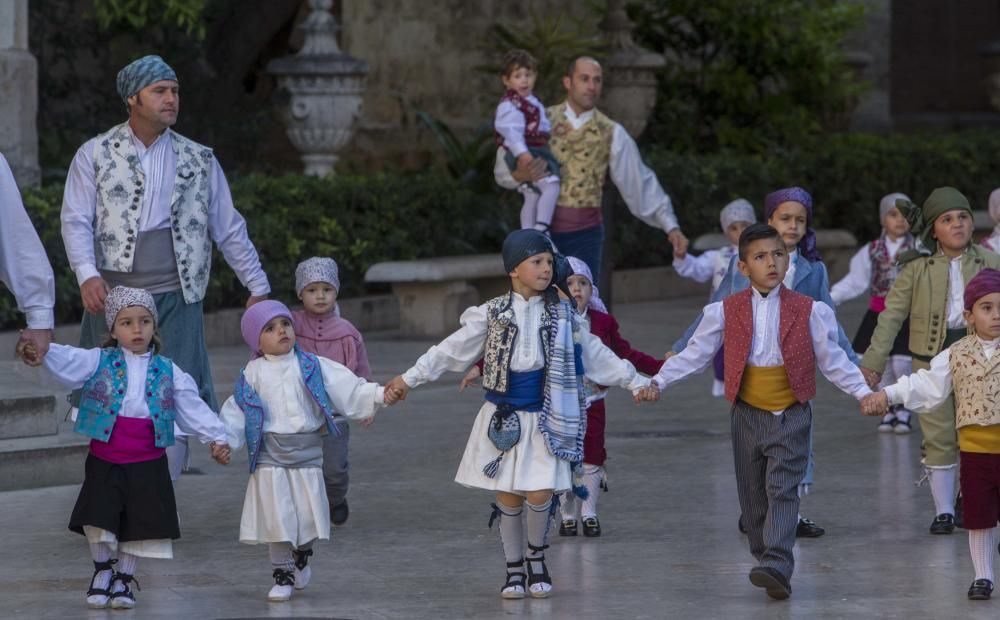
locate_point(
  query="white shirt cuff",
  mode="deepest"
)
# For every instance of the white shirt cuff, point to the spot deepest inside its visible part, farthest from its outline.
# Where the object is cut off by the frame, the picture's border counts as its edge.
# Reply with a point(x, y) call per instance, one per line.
point(85, 272)
point(40, 318)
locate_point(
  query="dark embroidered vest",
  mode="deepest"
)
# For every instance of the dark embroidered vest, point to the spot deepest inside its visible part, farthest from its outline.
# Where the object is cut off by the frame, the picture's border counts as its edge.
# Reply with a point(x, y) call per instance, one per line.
point(501, 334)
point(884, 269)
point(533, 135)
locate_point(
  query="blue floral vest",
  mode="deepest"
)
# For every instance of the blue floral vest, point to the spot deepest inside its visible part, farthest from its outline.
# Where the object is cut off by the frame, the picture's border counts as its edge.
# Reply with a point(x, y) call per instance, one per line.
point(103, 396)
point(253, 408)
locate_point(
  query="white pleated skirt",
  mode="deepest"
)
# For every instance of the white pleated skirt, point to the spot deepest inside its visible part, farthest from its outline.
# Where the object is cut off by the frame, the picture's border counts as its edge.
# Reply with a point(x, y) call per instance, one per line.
point(285, 504)
point(528, 466)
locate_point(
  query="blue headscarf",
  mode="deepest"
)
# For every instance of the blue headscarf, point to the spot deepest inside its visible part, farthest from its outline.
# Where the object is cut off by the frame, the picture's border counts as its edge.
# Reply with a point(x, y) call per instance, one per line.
point(807, 244)
point(140, 73)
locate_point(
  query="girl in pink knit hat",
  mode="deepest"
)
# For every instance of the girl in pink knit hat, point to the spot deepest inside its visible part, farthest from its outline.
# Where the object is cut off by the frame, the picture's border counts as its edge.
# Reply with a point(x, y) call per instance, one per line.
point(283, 403)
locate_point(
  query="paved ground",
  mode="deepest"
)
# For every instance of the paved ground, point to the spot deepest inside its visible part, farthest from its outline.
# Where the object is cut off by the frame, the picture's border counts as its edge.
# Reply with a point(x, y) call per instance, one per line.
point(417, 545)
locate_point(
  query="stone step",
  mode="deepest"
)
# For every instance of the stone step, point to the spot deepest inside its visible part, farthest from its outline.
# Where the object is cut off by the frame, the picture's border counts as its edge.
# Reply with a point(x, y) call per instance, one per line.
point(50, 460)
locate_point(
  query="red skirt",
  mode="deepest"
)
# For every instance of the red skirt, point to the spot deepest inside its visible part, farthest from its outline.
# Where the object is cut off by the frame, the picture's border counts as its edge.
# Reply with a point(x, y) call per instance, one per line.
point(593, 442)
point(980, 481)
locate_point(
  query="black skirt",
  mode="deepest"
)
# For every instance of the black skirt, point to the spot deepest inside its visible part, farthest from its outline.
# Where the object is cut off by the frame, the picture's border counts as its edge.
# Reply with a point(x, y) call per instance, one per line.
point(135, 501)
point(863, 339)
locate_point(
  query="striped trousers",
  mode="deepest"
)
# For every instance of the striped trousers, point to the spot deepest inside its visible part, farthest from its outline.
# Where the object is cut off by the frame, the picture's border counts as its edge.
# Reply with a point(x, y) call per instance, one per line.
point(771, 453)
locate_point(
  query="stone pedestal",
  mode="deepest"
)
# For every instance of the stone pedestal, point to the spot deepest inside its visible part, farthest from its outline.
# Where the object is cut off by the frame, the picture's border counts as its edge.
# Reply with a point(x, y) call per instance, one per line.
point(28, 417)
point(18, 94)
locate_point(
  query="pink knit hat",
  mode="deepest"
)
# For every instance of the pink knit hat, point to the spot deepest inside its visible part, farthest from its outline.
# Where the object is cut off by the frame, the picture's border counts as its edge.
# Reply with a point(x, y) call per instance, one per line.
point(256, 317)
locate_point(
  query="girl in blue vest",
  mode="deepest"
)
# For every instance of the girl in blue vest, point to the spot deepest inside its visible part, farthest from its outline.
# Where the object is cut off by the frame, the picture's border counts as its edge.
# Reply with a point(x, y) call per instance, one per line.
point(131, 399)
point(284, 401)
point(528, 438)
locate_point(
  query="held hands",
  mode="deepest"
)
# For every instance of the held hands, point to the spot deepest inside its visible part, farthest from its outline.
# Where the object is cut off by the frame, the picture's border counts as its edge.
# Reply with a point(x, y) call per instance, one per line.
point(255, 299)
point(32, 346)
point(875, 404)
point(648, 394)
point(679, 241)
point(220, 452)
point(396, 390)
point(469, 378)
point(530, 169)
point(873, 378)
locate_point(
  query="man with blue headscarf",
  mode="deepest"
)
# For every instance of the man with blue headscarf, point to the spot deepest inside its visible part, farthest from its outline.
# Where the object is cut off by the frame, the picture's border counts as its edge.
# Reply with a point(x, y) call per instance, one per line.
point(141, 208)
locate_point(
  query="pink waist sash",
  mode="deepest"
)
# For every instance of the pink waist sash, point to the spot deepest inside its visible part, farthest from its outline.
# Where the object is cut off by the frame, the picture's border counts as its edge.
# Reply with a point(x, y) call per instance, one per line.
point(131, 442)
point(876, 304)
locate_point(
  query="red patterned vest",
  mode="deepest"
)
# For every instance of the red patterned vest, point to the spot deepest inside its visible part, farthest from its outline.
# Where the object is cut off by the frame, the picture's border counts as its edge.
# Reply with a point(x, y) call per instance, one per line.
point(796, 341)
point(533, 135)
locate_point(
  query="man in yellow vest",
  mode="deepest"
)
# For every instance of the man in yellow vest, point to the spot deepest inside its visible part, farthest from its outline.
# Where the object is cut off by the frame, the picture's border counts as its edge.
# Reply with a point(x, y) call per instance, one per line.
point(589, 146)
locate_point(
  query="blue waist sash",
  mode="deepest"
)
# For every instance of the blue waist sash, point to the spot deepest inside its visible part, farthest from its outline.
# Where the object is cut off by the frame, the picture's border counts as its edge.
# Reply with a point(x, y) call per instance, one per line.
point(525, 391)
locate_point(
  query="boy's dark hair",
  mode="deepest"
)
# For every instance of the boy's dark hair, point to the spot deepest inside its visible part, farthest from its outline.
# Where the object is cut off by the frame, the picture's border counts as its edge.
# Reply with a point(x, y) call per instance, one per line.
point(755, 232)
point(515, 59)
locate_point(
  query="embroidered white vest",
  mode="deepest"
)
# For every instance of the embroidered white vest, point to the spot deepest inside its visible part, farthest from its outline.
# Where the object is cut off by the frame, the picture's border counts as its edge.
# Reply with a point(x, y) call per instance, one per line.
point(120, 187)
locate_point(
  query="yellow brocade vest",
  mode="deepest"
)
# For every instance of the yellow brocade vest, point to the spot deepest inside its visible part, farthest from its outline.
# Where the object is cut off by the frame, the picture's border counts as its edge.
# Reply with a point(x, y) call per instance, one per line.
point(583, 156)
point(976, 384)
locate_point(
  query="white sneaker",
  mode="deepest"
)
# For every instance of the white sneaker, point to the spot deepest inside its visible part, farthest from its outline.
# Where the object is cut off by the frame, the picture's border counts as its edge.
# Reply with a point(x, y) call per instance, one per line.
point(283, 586)
point(888, 423)
point(97, 601)
point(540, 590)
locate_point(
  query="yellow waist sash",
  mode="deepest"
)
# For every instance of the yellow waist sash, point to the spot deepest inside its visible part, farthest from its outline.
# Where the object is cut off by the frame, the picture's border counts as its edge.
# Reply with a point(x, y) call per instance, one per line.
point(767, 388)
point(976, 438)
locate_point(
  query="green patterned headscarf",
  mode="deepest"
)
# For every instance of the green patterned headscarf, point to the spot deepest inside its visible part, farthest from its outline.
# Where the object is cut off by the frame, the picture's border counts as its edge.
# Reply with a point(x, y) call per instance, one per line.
point(921, 219)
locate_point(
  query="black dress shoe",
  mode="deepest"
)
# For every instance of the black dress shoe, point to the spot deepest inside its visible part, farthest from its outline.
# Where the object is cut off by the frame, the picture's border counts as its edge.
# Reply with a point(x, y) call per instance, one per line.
point(567, 527)
point(808, 529)
point(739, 524)
point(339, 513)
point(772, 581)
point(944, 523)
point(980, 590)
point(591, 527)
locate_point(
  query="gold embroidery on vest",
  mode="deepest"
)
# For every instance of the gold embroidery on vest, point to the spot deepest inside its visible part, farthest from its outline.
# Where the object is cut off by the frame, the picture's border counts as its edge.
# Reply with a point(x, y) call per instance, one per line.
point(583, 154)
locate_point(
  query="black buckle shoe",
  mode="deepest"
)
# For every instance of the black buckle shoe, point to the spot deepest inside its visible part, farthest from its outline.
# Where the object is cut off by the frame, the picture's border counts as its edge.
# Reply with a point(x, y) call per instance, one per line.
point(591, 527)
point(773, 582)
point(567, 527)
point(980, 590)
point(944, 523)
point(808, 529)
point(339, 514)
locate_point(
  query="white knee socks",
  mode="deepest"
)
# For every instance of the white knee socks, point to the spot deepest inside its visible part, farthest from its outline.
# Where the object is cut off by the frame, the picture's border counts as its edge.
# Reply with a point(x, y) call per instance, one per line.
point(943, 488)
point(537, 524)
point(511, 532)
point(281, 555)
point(101, 552)
point(982, 546)
point(546, 204)
point(568, 506)
point(593, 476)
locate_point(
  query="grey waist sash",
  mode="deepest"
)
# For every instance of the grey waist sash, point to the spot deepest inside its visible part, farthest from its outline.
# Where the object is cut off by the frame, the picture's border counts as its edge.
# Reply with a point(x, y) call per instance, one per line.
point(154, 267)
point(292, 450)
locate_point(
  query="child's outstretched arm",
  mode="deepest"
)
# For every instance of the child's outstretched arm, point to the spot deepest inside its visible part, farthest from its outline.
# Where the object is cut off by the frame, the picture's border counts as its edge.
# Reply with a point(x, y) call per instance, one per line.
point(350, 394)
point(455, 353)
point(71, 366)
point(923, 390)
point(858, 279)
point(890, 321)
point(698, 268)
point(699, 352)
point(830, 356)
point(602, 366)
point(194, 417)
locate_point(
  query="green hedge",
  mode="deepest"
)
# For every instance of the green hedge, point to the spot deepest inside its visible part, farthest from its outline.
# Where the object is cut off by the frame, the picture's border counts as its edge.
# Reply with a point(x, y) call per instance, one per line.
point(361, 220)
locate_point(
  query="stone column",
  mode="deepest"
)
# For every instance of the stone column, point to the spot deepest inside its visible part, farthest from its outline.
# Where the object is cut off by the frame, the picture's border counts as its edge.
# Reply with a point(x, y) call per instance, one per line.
point(18, 94)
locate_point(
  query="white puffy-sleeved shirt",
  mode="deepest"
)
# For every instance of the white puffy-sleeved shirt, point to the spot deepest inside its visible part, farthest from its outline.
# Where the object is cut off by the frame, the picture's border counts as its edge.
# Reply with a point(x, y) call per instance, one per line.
point(226, 226)
point(637, 184)
point(72, 367)
point(24, 267)
point(765, 349)
point(278, 381)
point(927, 389)
point(464, 347)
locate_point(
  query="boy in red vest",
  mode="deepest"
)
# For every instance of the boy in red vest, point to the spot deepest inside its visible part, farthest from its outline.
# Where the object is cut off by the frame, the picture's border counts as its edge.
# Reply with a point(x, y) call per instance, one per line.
point(774, 340)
